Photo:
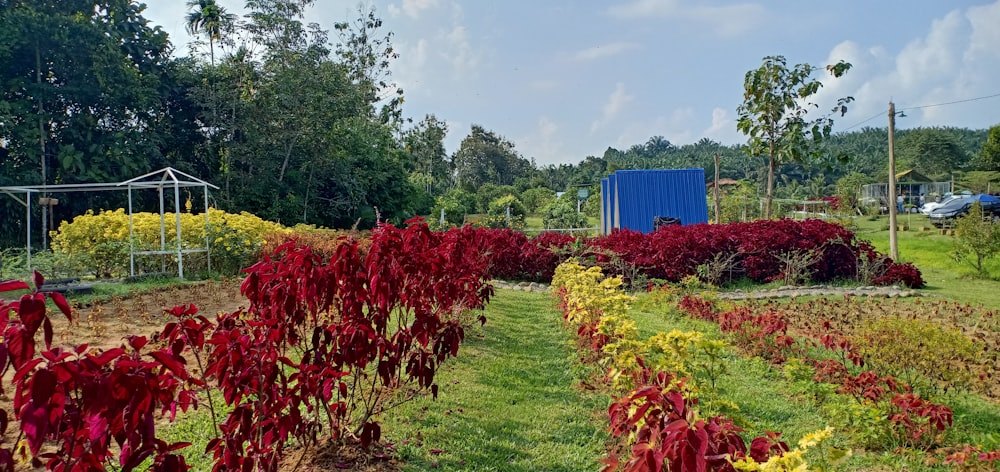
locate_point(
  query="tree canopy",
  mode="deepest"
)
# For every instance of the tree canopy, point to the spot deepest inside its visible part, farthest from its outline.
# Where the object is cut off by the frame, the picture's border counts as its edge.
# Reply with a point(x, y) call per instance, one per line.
point(775, 114)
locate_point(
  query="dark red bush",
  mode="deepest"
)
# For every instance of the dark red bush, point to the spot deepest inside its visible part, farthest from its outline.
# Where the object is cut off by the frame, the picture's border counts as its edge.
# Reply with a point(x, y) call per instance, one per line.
point(901, 274)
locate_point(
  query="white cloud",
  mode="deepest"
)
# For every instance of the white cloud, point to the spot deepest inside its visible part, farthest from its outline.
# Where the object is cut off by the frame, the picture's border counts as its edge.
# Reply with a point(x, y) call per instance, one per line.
point(728, 20)
point(722, 125)
point(957, 59)
point(682, 126)
point(408, 70)
point(411, 8)
point(543, 144)
point(459, 52)
point(985, 35)
point(605, 50)
point(617, 102)
point(444, 55)
point(675, 127)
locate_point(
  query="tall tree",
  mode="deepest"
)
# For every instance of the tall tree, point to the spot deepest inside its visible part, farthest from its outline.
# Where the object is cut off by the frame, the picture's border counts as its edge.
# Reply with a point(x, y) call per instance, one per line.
point(206, 16)
point(775, 114)
point(485, 157)
point(989, 153)
point(81, 95)
point(934, 152)
point(297, 132)
point(368, 54)
point(427, 158)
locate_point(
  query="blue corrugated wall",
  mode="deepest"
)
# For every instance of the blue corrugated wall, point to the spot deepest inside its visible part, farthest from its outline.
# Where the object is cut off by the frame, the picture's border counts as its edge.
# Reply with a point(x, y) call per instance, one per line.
point(634, 197)
point(605, 210)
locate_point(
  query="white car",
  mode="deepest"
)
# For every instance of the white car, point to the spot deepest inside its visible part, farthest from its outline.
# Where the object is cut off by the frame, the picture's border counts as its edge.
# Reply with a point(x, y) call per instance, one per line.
point(929, 207)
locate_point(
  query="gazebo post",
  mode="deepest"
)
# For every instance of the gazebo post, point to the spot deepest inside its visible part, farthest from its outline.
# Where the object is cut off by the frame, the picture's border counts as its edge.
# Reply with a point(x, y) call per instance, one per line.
point(163, 229)
point(177, 218)
point(208, 251)
point(131, 237)
point(27, 206)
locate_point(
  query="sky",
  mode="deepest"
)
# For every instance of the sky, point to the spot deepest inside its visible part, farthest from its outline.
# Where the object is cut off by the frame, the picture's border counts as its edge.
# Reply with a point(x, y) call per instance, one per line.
point(566, 79)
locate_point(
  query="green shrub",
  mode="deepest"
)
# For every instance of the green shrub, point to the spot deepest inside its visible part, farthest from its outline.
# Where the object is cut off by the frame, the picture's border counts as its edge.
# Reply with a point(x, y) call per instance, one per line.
point(976, 240)
point(923, 353)
point(561, 213)
point(505, 212)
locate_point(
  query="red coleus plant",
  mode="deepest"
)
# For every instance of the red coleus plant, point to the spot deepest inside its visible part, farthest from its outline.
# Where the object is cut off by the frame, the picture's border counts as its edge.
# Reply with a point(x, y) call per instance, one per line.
point(294, 364)
point(674, 252)
point(670, 436)
point(764, 335)
point(82, 399)
point(297, 362)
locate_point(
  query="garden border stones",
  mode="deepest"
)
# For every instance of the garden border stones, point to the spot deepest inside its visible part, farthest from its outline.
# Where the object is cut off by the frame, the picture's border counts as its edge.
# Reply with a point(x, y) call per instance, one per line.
point(779, 292)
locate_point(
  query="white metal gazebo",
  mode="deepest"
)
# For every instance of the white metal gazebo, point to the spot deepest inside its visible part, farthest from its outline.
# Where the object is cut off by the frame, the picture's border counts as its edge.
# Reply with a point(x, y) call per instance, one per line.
point(160, 180)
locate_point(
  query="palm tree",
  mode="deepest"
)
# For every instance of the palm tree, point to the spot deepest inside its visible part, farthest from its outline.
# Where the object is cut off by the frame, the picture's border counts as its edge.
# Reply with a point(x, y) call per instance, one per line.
point(209, 18)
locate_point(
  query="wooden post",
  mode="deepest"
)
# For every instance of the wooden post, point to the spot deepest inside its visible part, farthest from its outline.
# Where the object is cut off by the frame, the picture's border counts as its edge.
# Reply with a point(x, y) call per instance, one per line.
point(893, 243)
point(715, 191)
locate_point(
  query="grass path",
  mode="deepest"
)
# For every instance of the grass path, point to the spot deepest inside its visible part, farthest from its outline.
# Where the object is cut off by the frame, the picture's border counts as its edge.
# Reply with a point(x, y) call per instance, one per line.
point(508, 401)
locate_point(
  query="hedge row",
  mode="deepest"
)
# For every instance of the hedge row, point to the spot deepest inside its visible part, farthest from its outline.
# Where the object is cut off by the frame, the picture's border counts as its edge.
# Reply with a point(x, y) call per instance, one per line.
point(762, 251)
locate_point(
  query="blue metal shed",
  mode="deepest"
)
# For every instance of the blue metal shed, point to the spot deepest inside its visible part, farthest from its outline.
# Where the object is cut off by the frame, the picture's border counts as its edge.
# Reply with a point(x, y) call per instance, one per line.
point(630, 199)
point(605, 208)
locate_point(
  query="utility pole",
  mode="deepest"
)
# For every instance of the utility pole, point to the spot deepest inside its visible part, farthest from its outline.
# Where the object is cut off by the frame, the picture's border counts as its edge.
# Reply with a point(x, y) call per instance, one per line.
point(893, 243)
point(715, 192)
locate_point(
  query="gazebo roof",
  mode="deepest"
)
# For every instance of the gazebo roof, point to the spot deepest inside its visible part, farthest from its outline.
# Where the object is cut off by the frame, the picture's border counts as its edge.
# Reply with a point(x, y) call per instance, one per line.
point(165, 176)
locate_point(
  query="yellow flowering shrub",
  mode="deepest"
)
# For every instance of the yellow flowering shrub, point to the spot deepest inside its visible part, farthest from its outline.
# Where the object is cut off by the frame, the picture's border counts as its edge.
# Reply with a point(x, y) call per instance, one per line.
point(591, 300)
point(103, 237)
point(795, 459)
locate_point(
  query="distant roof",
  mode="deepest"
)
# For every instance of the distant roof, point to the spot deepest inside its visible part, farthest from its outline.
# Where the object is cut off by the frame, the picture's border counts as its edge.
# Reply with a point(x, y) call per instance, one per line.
point(723, 183)
point(911, 176)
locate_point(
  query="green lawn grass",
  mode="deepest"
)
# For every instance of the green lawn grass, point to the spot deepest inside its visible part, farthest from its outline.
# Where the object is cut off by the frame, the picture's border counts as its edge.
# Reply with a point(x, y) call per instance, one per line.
point(931, 251)
point(508, 402)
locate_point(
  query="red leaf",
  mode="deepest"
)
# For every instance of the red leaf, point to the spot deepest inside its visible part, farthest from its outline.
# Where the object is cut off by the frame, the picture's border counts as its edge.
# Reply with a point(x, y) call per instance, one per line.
point(11, 285)
point(98, 426)
point(39, 280)
point(60, 302)
point(21, 346)
point(31, 310)
point(107, 356)
point(47, 332)
point(172, 364)
point(137, 342)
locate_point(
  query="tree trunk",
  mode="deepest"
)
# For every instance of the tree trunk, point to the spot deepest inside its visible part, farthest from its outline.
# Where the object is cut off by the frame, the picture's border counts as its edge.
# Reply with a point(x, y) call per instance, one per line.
point(770, 182)
point(284, 164)
point(305, 201)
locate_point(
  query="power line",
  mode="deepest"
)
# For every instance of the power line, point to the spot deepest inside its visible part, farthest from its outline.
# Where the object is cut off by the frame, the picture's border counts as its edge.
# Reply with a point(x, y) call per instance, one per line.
point(919, 107)
point(952, 103)
point(865, 121)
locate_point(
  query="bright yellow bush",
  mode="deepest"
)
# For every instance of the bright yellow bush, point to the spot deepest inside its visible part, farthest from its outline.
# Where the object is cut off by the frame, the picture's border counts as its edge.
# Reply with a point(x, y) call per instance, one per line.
point(826, 458)
point(234, 239)
point(589, 298)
